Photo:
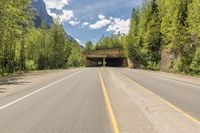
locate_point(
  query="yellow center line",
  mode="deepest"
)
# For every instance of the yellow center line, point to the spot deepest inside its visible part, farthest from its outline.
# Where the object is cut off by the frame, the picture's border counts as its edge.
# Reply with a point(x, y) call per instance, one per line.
point(165, 101)
point(108, 105)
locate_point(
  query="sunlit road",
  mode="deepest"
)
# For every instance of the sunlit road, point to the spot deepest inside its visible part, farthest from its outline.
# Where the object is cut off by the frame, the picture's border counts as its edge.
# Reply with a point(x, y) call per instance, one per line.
point(72, 105)
point(181, 93)
point(140, 102)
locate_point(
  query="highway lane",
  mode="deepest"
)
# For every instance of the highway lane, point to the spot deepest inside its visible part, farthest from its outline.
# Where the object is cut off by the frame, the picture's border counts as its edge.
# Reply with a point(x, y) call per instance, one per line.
point(74, 104)
point(76, 101)
point(183, 94)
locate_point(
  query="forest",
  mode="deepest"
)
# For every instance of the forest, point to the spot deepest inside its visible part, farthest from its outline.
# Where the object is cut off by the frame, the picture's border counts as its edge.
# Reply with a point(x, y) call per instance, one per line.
point(106, 42)
point(23, 47)
point(162, 29)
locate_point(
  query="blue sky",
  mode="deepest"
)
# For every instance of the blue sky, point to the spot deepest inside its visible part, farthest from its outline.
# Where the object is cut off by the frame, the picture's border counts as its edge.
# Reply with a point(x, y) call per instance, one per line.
point(90, 19)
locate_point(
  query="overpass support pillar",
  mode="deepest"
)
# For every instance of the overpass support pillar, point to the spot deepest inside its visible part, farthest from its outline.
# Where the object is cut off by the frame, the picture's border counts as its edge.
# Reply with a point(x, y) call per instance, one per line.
point(130, 63)
point(104, 61)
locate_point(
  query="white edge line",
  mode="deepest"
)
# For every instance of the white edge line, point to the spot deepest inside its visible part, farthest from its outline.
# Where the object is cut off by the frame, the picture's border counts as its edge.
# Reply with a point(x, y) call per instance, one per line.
point(180, 82)
point(173, 80)
point(41, 89)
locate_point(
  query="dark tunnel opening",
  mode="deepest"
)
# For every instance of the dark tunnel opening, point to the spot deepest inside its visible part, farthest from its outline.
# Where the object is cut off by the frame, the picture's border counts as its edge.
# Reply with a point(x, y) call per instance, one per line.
point(109, 62)
point(114, 62)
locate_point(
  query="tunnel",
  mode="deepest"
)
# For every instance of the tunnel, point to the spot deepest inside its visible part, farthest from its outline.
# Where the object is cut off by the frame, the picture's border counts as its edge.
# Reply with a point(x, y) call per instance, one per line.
point(107, 57)
point(109, 62)
point(114, 62)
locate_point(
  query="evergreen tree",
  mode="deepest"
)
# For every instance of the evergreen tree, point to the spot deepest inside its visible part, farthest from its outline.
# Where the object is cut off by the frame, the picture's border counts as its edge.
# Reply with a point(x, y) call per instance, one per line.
point(131, 46)
point(57, 57)
point(152, 39)
point(76, 59)
point(89, 46)
point(194, 34)
point(109, 42)
point(24, 47)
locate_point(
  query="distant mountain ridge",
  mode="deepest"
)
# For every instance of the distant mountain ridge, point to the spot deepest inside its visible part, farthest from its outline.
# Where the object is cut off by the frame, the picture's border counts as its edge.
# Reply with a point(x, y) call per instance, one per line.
point(40, 9)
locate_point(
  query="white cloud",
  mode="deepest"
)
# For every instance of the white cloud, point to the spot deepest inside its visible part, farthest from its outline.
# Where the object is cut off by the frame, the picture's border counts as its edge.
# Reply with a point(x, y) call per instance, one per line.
point(67, 15)
point(119, 25)
point(101, 16)
point(54, 15)
point(102, 22)
point(85, 24)
point(115, 25)
point(74, 23)
point(57, 4)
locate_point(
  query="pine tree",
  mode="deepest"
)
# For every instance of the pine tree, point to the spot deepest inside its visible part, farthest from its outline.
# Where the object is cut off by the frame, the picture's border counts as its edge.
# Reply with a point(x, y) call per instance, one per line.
point(58, 42)
point(14, 23)
point(89, 46)
point(144, 19)
point(76, 59)
point(152, 39)
point(194, 34)
point(131, 46)
point(174, 31)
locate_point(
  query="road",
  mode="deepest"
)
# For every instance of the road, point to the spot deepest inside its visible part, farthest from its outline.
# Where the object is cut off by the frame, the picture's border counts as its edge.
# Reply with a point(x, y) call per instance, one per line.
point(102, 100)
point(73, 105)
point(181, 93)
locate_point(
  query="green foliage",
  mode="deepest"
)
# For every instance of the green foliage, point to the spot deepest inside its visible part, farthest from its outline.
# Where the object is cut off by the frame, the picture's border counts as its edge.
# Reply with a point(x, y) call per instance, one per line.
point(143, 43)
point(30, 65)
point(193, 36)
point(15, 19)
point(171, 25)
point(89, 46)
point(76, 59)
point(194, 18)
point(132, 48)
point(152, 39)
point(112, 42)
point(23, 47)
point(195, 65)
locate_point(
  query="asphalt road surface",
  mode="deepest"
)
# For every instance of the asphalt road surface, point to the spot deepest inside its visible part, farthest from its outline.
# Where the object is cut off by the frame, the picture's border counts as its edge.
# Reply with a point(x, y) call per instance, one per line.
point(72, 105)
point(76, 103)
point(179, 92)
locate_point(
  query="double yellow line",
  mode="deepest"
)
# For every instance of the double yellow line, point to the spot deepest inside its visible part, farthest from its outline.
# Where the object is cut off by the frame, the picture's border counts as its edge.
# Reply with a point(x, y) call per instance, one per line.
point(108, 106)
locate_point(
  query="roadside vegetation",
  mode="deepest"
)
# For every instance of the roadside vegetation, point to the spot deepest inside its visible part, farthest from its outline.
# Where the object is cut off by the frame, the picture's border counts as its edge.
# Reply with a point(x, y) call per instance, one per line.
point(24, 47)
point(162, 27)
point(106, 42)
point(158, 29)
point(166, 25)
point(112, 42)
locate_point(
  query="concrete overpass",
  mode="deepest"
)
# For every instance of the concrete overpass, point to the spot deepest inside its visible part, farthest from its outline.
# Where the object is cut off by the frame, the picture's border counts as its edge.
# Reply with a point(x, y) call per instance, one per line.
point(109, 57)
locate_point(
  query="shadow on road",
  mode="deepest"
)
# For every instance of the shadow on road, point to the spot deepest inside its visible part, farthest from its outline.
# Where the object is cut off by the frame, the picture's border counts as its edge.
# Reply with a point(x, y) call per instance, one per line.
point(12, 81)
point(2, 90)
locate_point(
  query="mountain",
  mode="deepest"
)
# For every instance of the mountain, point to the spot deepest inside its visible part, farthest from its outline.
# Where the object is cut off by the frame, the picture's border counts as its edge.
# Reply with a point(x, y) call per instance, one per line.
point(41, 15)
point(40, 8)
point(70, 38)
